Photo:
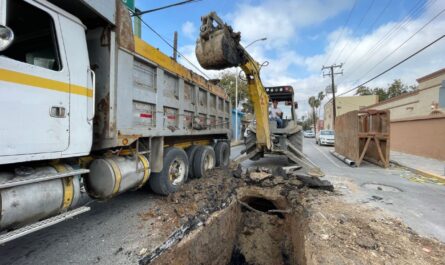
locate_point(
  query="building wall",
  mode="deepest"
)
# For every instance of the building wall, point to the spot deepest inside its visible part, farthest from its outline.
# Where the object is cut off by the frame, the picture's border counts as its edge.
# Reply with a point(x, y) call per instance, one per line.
point(344, 105)
point(420, 136)
point(414, 104)
point(418, 103)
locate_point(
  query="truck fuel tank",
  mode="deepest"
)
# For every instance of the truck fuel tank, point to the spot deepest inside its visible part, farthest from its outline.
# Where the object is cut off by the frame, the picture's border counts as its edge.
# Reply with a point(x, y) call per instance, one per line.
point(33, 202)
point(114, 175)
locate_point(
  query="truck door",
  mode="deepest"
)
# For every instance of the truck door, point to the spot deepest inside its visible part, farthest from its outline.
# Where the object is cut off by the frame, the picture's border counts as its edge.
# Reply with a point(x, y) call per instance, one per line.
point(34, 82)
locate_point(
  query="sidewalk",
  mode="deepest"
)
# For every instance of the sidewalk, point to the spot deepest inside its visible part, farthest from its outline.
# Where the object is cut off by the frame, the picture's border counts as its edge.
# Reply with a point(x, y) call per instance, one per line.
point(425, 166)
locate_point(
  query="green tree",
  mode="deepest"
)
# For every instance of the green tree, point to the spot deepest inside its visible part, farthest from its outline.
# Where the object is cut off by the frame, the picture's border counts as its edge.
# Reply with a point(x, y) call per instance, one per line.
point(228, 82)
point(380, 92)
point(314, 103)
point(396, 88)
point(363, 91)
point(320, 98)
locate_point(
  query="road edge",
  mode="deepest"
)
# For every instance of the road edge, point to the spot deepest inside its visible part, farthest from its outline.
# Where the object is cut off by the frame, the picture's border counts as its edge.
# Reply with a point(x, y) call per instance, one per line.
point(421, 172)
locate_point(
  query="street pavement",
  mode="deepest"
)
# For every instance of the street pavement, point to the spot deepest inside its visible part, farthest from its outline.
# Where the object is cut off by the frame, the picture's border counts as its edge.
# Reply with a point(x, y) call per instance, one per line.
point(419, 202)
point(111, 233)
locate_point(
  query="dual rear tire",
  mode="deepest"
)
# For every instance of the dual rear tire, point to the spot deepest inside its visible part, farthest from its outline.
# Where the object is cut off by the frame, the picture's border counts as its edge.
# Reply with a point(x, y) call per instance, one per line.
point(196, 161)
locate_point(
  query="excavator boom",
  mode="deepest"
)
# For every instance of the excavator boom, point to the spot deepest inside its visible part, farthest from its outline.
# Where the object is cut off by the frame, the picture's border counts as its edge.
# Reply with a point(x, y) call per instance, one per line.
point(218, 47)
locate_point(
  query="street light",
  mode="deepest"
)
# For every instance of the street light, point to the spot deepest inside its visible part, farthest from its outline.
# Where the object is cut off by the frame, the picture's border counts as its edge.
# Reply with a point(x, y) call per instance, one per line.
point(236, 90)
point(262, 39)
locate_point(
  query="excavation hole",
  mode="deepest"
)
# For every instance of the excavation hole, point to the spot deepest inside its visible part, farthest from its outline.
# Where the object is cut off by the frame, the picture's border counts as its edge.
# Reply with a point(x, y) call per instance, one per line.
point(263, 205)
point(256, 228)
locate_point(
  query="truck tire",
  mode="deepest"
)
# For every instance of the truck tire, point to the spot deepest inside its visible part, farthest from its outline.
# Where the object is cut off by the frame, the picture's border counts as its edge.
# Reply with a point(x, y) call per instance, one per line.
point(222, 154)
point(191, 151)
point(174, 172)
point(203, 161)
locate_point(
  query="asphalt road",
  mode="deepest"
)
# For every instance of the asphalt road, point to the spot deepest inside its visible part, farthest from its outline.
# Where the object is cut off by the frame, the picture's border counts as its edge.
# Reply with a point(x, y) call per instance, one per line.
point(113, 232)
point(417, 201)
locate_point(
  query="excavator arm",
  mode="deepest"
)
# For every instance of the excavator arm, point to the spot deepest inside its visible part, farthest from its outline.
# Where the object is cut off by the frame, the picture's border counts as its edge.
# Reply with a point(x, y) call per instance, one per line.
point(218, 47)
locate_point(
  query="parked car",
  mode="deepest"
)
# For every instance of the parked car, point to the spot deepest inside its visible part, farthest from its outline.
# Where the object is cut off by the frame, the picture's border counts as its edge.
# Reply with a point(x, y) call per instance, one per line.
point(309, 134)
point(325, 137)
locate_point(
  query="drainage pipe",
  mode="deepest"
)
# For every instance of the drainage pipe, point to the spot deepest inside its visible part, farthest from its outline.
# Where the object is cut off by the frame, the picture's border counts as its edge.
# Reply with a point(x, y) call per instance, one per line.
point(343, 158)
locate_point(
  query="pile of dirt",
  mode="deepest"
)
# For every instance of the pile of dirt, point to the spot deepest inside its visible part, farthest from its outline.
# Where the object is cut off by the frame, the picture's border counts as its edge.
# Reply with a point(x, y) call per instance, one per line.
point(345, 233)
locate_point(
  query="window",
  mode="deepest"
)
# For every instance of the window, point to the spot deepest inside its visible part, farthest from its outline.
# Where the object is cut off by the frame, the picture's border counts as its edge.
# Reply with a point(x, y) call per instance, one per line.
point(35, 38)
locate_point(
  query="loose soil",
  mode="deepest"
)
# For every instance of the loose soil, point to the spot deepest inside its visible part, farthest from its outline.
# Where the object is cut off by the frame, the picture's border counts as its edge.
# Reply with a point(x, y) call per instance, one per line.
point(227, 219)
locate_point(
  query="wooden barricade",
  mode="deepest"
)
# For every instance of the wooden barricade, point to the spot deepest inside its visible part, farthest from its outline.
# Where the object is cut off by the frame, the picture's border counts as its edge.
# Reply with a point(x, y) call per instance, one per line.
point(364, 135)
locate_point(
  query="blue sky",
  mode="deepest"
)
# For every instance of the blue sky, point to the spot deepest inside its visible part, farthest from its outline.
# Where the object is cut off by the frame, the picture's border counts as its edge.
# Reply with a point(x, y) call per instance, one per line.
point(304, 35)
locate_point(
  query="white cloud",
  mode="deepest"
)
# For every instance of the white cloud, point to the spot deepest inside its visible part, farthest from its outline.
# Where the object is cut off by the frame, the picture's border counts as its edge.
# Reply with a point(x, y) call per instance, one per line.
point(189, 30)
point(281, 22)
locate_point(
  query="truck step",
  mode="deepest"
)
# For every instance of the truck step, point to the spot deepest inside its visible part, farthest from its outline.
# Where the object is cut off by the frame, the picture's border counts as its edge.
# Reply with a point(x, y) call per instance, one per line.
point(42, 224)
point(29, 180)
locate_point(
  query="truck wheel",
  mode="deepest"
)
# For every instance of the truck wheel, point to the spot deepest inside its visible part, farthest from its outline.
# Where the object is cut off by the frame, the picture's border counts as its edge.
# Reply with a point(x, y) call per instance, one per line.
point(191, 151)
point(203, 161)
point(174, 172)
point(222, 154)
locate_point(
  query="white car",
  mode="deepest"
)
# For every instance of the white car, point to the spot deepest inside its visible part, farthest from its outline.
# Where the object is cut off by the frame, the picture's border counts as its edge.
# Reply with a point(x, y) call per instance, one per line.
point(309, 134)
point(325, 137)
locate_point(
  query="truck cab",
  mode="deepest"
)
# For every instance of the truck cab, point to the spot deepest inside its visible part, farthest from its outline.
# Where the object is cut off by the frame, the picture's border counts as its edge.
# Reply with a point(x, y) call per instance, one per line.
point(46, 83)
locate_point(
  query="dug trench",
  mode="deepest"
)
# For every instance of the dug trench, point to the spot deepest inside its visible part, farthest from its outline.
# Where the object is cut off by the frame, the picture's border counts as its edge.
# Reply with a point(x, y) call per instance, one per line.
point(259, 218)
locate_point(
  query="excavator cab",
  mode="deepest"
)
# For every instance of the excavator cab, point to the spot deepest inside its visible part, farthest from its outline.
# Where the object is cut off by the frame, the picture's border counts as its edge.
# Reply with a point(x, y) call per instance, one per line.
point(284, 96)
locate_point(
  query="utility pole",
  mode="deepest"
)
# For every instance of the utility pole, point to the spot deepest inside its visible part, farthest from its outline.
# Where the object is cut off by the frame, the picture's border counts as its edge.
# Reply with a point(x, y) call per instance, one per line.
point(175, 46)
point(332, 73)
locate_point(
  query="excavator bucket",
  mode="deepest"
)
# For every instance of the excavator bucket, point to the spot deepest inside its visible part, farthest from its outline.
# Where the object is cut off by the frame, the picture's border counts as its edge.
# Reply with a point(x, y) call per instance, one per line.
point(218, 46)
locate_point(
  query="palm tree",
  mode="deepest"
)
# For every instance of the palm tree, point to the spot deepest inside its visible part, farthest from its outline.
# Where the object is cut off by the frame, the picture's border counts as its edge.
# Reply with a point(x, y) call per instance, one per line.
point(314, 103)
point(321, 96)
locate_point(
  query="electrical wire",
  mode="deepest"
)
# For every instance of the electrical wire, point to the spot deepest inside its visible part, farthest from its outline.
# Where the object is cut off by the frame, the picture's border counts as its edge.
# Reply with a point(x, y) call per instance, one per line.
point(139, 13)
point(403, 43)
point(394, 66)
point(369, 29)
point(358, 26)
point(389, 35)
point(171, 46)
point(341, 33)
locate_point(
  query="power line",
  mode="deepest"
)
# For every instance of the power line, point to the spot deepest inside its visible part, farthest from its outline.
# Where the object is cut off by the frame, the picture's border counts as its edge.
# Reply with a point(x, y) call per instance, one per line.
point(369, 29)
point(171, 46)
point(139, 13)
point(341, 33)
point(403, 43)
point(359, 24)
point(389, 35)
point(394, 66)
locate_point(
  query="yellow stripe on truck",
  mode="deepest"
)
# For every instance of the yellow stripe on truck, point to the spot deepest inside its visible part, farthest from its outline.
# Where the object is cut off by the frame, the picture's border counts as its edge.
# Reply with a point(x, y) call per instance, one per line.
point(40, 82)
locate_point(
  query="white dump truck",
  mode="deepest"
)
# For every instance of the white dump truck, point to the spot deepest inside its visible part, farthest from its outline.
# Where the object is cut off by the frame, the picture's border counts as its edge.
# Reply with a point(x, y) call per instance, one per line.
point(88, 111)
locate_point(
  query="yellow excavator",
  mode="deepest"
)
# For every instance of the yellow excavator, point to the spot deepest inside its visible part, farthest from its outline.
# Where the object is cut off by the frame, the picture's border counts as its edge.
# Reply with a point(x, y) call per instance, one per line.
point(218, 47)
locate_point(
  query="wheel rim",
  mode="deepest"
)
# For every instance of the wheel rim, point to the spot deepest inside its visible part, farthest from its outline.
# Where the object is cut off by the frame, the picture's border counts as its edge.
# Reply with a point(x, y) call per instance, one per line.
point(176, 171)
point(209, 162)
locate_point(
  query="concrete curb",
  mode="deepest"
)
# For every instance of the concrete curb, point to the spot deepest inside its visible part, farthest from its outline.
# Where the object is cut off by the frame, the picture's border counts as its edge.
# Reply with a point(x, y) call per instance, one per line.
point(423, 173)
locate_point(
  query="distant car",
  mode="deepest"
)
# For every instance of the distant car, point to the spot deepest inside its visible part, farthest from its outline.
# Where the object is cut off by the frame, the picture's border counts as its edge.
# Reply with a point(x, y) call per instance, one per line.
point(309, 134)
point(325, 137)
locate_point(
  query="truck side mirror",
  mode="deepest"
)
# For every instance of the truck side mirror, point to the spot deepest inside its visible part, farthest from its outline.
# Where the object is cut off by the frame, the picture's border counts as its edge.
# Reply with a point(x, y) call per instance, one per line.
point(6, 37)
point(296, 105)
